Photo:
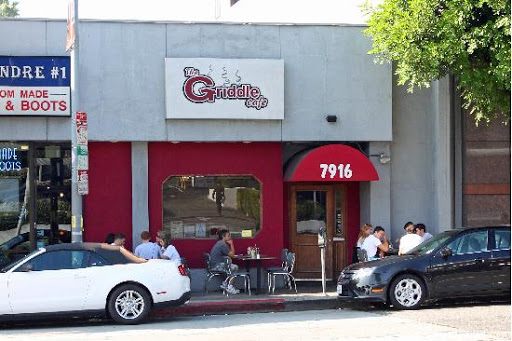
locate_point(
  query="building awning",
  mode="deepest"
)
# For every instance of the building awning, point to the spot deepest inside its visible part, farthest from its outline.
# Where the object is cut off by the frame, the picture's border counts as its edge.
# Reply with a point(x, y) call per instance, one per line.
point(333, 162)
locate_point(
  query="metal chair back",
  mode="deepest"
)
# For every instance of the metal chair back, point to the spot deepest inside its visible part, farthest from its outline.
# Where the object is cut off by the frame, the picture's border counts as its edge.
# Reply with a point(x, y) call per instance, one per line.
point(362, 255)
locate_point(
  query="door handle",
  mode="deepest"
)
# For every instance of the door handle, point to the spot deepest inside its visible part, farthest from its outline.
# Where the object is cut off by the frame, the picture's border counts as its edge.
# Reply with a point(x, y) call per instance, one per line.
point(479, 260)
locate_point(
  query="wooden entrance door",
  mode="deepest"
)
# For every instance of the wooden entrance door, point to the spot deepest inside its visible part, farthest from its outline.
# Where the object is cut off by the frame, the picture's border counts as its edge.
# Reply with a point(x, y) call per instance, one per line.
point(312, 207)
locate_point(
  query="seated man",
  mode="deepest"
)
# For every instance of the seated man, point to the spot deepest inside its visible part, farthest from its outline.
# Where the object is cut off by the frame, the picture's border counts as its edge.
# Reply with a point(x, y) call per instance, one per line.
point(376, 242)
point(222, 249)
point(147, 249)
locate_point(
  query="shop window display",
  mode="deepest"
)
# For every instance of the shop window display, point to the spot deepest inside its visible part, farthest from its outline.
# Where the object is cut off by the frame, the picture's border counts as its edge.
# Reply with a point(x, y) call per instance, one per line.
point(200, 206)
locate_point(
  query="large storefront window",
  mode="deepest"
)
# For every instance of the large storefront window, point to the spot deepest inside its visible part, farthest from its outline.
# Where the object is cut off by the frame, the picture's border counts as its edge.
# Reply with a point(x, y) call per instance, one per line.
point(14, 200)
point(200, 206)
point(14, 190)
point(35, 198)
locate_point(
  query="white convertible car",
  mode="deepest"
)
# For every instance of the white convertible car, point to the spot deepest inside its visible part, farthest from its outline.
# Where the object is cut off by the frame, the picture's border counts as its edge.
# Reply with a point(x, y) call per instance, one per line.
point(87, 279)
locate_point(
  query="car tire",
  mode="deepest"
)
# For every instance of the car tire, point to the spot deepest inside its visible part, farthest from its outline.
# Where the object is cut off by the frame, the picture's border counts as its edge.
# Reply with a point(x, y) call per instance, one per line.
point(129, 304)
point(407, 292)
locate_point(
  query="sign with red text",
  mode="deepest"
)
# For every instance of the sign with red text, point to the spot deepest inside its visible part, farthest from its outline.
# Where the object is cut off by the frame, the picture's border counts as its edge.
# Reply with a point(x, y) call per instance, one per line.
point(82, 149)
point(207, 88)
point(35, 86)
point(83, 182)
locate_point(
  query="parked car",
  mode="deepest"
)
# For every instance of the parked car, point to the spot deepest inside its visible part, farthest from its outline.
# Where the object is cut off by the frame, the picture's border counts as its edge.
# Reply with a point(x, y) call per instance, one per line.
point(90, 279)
point(457, 263)
point(19, 246)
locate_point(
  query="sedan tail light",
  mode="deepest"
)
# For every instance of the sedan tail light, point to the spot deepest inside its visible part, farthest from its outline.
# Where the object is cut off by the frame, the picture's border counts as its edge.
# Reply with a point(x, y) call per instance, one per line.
point(183, 271)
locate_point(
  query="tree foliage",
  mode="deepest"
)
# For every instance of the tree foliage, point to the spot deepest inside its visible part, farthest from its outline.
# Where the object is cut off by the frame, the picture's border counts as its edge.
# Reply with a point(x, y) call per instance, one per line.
point(429, 39)
point(8, 9)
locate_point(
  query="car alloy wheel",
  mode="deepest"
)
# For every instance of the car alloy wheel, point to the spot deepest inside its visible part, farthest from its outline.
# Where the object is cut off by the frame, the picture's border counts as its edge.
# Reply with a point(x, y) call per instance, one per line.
point(129, 304)
point(407, 292)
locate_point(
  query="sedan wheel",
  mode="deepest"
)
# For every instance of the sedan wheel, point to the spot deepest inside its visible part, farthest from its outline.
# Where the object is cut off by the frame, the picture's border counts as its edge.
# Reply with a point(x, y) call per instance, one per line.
point(407, 292)
point(129, 304)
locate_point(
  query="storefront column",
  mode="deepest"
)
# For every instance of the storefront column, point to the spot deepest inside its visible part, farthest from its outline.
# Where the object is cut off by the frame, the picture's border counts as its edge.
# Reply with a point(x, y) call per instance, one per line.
point(442, 165)
point(376, 195)
point(140, 213)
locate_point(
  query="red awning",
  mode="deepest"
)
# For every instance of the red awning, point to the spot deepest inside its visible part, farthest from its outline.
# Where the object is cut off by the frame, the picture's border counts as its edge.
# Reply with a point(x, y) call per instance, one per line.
point(333, 162)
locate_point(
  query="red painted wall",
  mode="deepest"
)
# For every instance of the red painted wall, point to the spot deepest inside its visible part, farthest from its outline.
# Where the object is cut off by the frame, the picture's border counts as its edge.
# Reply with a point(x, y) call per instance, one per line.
point(353, 217)
point(262, 160)
point(108, 206)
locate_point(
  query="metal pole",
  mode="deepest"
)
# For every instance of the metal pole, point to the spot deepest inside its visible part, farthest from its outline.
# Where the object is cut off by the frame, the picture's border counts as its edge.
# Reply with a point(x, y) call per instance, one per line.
point(76, 199)
point(322, 257)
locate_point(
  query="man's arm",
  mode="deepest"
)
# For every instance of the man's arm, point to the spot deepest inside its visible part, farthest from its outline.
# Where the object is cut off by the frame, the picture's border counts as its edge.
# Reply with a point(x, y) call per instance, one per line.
point(231, 248)
point(384, 246)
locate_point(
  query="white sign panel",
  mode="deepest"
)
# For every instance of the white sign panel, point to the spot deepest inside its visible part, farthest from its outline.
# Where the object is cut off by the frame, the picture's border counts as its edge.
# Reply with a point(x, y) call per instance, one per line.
point(34, 86)
point(205, 88)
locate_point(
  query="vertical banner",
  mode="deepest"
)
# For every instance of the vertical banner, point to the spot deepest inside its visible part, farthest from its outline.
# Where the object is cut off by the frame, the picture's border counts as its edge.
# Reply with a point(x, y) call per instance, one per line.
point(70, 40)
point(82, 153)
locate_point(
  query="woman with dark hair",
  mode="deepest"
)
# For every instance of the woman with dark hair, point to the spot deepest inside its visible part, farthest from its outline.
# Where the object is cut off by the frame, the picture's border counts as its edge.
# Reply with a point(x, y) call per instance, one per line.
point(110, 238)
point(168, 251)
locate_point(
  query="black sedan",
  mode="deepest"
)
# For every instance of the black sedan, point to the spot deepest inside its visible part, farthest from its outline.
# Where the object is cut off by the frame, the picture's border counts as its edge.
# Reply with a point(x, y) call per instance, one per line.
point(457, 263)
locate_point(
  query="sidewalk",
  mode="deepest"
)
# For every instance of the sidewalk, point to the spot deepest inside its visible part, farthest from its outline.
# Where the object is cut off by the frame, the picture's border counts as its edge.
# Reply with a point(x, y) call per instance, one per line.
point(309, 297)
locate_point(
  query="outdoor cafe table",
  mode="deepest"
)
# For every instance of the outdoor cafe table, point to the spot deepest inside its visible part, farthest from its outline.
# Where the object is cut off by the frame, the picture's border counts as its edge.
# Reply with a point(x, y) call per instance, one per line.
point(248, 260)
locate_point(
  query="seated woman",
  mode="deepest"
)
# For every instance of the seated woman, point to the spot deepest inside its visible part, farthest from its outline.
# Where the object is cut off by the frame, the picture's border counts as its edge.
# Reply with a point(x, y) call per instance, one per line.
point(168, 251)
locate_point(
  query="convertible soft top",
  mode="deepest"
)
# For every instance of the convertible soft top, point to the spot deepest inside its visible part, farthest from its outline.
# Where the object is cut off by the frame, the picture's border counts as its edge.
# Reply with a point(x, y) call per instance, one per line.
point(113, 254)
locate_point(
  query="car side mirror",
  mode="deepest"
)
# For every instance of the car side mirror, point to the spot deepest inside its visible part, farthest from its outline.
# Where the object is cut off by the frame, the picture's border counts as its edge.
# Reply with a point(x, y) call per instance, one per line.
point(27, 267)
point(446, 252)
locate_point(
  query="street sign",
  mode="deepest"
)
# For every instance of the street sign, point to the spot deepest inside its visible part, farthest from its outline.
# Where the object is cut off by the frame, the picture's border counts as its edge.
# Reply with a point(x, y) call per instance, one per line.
point(83, 182)
point(82, 153)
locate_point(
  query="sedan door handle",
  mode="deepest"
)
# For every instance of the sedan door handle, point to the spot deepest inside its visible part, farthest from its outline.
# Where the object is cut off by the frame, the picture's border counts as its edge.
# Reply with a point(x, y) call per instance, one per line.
point(479, 260)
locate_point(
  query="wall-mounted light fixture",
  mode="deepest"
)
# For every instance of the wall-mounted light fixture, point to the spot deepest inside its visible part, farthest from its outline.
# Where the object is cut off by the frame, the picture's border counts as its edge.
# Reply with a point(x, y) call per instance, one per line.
point(383, 158)
point(331, 118)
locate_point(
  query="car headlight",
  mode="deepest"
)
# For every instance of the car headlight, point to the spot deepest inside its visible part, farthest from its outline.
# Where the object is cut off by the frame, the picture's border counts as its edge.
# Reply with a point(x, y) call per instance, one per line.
point(363, 272)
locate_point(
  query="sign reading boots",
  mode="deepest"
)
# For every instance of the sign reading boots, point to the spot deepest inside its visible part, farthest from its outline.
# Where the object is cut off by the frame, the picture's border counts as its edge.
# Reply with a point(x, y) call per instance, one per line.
point(205, 88)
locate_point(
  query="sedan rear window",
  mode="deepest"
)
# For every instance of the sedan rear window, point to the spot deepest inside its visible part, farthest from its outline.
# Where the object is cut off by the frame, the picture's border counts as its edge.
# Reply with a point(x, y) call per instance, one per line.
point(502, 240)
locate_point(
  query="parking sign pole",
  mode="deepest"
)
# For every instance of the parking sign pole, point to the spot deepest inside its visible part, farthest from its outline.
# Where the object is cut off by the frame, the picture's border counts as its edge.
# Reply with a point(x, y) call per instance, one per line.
point(76, 199)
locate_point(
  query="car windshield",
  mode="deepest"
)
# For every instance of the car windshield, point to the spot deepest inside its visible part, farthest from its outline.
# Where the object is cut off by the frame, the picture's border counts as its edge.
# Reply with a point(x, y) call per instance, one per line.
point(431, 244)
point(12, 265)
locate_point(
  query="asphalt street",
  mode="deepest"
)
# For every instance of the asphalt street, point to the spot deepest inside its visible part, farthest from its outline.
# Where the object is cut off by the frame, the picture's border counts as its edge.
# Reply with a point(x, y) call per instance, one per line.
point(465, 323)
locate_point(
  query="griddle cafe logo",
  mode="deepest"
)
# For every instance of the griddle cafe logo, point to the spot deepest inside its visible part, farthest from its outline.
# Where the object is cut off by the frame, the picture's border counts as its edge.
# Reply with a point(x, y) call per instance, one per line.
point(199, 88)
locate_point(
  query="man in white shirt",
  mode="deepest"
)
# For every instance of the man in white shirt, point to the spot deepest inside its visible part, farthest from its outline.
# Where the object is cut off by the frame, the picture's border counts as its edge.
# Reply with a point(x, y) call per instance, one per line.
point(421, 231)
point(376, 242)
point(147, 249)
point(409, 241)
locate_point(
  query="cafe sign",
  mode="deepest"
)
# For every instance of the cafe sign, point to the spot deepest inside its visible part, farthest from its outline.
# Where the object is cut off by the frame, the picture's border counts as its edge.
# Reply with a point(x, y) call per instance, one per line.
point(205, 88)
point(35, 86)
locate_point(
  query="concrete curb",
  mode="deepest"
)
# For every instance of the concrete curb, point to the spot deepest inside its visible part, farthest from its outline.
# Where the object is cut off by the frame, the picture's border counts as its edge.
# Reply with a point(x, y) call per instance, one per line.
point(244, 306)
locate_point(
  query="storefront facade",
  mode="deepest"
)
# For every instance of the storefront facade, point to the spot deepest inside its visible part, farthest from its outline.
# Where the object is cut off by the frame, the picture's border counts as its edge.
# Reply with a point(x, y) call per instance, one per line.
point(296, 130)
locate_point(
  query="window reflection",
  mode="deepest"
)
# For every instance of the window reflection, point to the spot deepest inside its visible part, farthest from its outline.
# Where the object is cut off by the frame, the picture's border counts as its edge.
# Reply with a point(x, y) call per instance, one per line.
point(200, 206)
point(310, 210)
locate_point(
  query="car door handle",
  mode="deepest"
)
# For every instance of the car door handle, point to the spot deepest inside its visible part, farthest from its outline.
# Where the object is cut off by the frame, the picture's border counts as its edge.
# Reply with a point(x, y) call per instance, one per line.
point(479, 260)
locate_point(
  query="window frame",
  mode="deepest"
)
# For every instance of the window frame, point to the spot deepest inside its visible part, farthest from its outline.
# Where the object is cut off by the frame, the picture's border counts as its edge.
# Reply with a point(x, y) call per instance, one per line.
point(216, 175)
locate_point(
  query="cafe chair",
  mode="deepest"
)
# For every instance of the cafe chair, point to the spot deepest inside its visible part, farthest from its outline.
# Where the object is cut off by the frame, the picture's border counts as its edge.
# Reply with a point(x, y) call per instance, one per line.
point(284, 254)
point(234, 274)
point(286, 273)
point(362, 255)
point(211, 272)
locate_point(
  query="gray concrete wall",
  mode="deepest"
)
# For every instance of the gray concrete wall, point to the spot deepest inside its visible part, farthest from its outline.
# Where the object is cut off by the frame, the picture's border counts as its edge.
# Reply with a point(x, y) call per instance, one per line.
point(421, 154)
point(327, 72)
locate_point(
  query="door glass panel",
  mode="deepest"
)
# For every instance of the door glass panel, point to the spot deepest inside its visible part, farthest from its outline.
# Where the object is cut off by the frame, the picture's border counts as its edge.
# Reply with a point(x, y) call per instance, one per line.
point(310, 211)
point(53, 178)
